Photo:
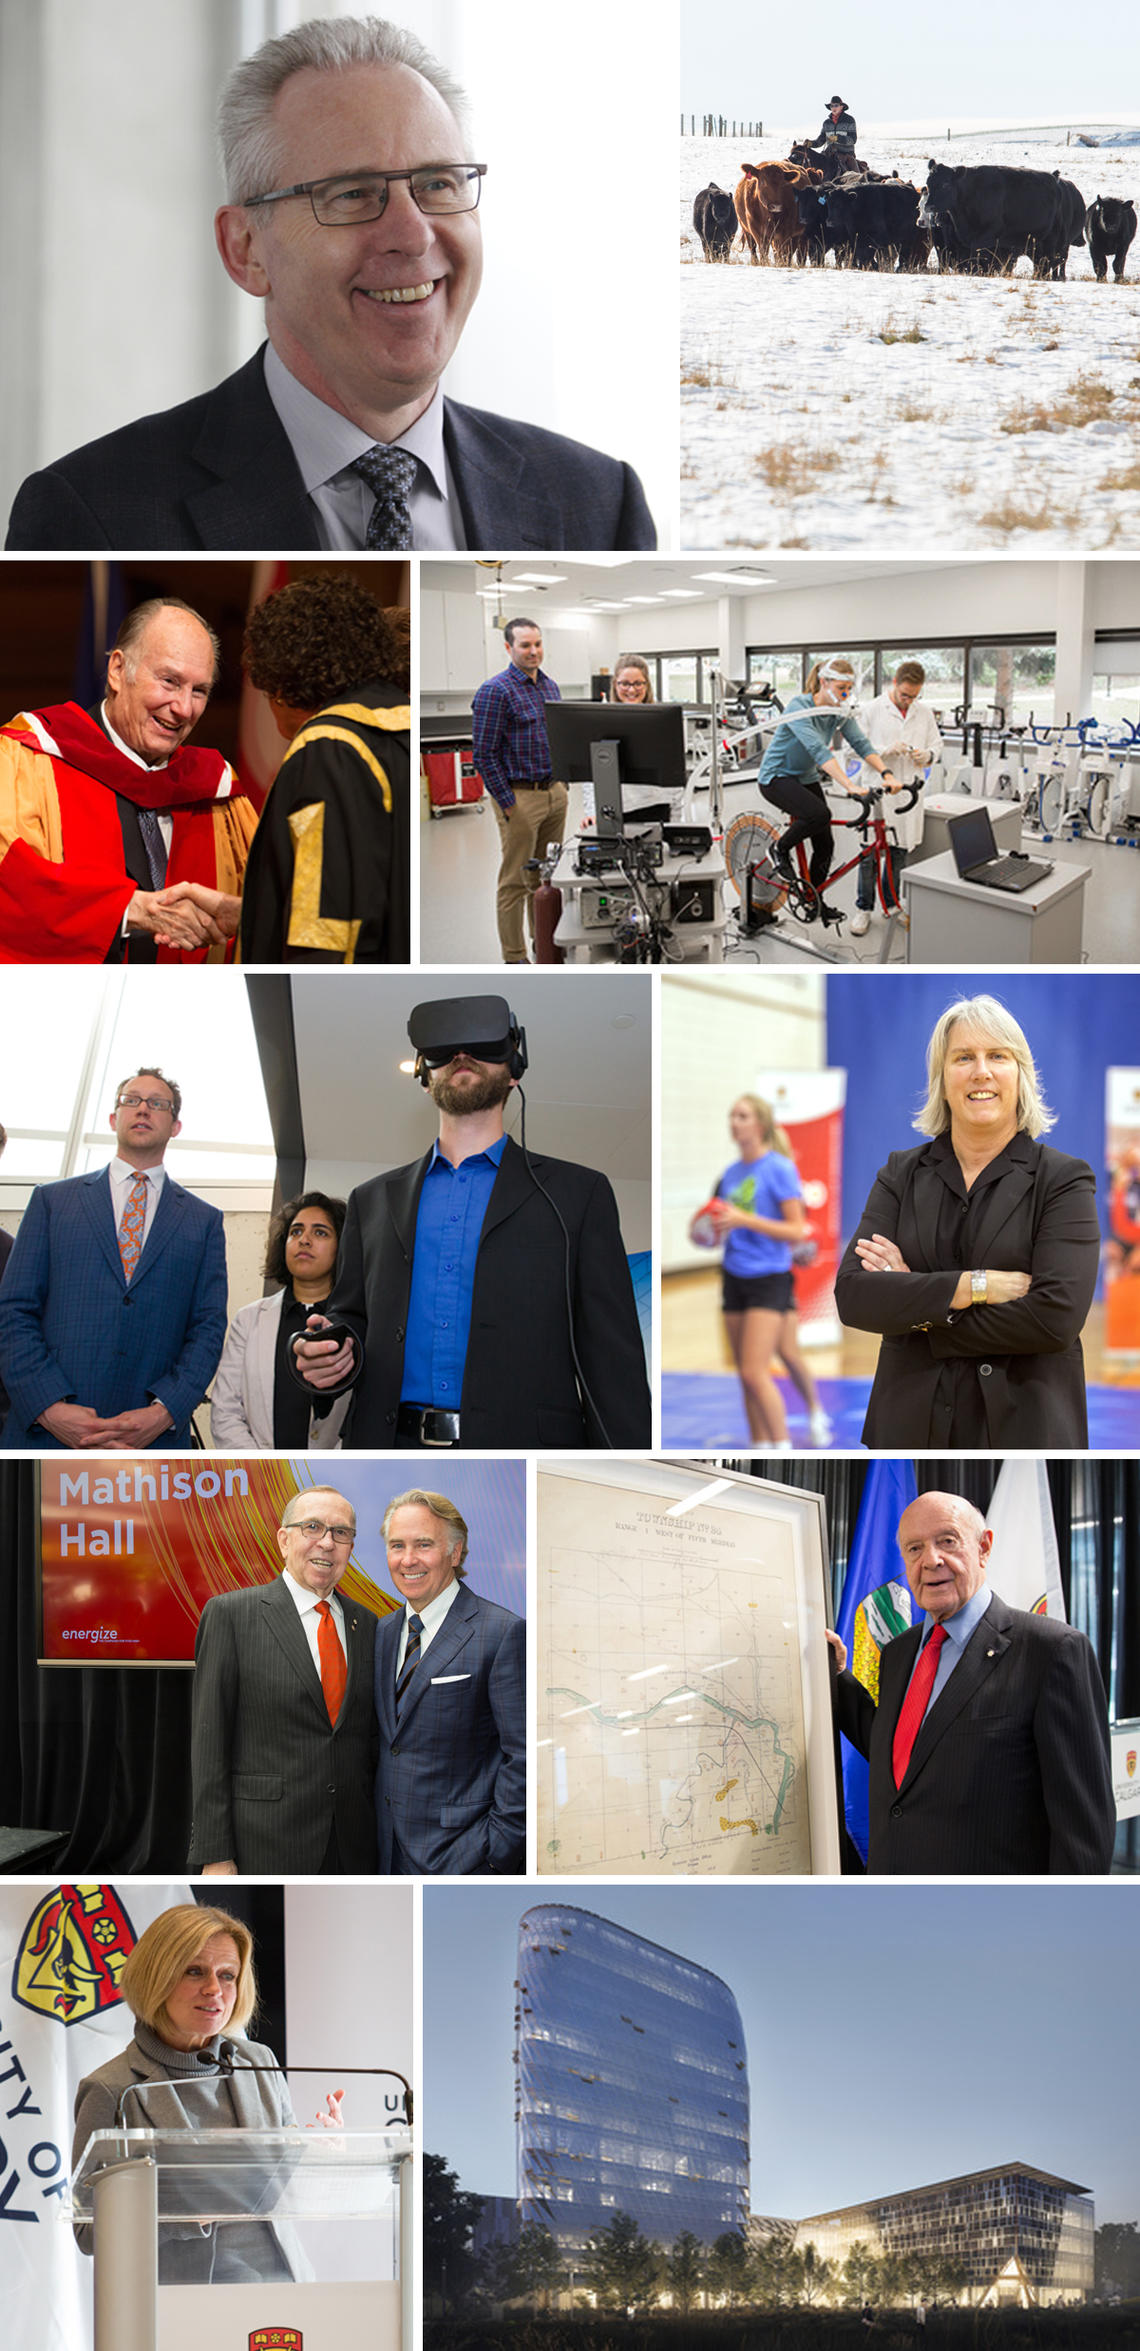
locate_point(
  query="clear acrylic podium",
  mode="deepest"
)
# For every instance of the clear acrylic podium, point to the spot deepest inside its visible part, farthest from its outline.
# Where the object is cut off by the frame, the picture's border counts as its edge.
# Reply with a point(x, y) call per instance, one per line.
point(302, 2236)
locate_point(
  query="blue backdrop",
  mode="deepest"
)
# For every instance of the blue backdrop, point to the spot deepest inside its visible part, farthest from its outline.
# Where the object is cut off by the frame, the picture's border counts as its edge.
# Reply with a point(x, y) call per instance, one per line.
point(1078, 1024)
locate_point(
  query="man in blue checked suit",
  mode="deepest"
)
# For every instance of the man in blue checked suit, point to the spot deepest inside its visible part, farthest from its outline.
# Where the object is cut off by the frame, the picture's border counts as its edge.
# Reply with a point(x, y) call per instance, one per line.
point(113, 1310)
point(451, 1703)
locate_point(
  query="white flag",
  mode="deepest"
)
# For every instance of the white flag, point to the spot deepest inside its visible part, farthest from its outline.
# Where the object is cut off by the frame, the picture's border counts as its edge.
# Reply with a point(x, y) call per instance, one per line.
point(62, 1952)
point(1024, 1565)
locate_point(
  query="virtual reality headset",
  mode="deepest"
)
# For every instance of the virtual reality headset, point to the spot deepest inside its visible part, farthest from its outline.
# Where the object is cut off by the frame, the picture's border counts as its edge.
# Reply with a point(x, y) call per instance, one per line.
point(483, 1026)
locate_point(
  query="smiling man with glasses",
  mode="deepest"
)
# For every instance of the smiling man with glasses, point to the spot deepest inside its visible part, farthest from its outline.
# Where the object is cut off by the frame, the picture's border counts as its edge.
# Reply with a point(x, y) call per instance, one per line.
point(284, 1739)
point(352, 213)
point(113, 1307)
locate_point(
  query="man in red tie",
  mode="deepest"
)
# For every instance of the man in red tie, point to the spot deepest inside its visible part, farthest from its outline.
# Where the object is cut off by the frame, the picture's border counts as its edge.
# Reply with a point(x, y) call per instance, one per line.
point(283, 1747)
point(988, 1748)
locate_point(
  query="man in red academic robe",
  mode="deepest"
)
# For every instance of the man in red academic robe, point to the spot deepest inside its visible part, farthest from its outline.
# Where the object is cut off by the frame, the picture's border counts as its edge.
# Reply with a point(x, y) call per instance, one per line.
point(115, 840)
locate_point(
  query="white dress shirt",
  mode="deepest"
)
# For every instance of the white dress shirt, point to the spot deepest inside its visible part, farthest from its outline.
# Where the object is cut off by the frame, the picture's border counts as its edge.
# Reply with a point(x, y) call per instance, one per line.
point(149, 767)
point(325, 445)
point(122, 1177)
point(307, 1604)
point(431, 1616)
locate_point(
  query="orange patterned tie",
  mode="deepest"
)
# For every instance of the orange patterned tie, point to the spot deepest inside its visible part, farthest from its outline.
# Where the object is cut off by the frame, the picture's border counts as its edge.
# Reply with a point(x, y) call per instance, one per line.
point(131, 1228)
point(334, 1669)
point(915, 1703)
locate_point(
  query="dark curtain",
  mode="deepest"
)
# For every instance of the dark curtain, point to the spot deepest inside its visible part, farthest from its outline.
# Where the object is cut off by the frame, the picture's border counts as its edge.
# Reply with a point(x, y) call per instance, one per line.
point(99, 1753)
point(1096, 1513)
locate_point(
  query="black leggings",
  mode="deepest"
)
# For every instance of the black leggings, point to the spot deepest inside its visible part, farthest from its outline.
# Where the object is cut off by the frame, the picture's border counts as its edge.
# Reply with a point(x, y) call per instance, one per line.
point(802, 798)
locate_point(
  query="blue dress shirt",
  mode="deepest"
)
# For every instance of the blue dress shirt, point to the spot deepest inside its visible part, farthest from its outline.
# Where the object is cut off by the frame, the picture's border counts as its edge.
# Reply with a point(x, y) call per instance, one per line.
point(958, 1631)
point(449, 1221)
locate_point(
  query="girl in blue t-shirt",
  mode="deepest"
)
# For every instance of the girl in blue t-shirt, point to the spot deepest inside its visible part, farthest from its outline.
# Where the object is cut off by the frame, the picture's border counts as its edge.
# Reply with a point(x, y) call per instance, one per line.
point(810, 738)
point(758, 1211)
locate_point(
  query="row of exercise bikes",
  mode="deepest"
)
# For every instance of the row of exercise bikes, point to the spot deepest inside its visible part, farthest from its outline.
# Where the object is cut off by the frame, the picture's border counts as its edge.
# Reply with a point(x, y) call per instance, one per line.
point(1077, 779)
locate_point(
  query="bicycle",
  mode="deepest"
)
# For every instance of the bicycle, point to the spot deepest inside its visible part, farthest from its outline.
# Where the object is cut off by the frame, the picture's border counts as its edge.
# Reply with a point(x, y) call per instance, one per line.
point(767, 893)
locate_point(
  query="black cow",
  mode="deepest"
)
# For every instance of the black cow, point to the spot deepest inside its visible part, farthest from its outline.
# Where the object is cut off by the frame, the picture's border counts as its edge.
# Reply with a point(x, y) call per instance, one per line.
point(870, 226)
point(1072, 222)
point(1111, 226)
point(987, 215)
point(714, 219)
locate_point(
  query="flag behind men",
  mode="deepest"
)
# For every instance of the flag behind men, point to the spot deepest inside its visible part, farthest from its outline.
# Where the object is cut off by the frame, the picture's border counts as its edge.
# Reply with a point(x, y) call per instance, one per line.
point(1024, 1564)
point(62, 1952)
point(876, 1605)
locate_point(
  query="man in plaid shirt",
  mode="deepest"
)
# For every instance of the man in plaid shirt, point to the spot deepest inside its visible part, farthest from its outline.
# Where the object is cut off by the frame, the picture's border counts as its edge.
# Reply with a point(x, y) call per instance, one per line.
point(513, 757)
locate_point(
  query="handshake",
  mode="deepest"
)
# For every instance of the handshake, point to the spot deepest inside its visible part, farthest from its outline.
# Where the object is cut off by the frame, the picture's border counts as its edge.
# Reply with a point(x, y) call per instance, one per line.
point(187, 916)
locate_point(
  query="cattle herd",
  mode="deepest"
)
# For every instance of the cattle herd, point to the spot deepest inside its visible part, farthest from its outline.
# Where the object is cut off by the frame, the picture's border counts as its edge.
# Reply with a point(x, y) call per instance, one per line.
point(979, 218)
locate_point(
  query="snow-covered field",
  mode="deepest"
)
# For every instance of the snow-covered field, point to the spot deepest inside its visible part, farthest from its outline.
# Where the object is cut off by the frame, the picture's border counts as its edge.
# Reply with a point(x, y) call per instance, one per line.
point(827, 408)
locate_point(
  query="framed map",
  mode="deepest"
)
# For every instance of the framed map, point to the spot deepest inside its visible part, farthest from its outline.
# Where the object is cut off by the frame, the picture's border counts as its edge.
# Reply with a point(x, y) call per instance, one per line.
point(684, 1720)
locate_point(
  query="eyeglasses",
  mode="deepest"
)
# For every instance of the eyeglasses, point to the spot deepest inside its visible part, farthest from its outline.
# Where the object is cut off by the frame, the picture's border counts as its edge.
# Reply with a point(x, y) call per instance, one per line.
point(316, 1526)
point(144, 1102)
point(363, 195)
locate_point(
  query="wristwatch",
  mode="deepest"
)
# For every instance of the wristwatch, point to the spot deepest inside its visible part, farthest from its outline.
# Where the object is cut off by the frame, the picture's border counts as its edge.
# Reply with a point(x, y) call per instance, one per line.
point(979, 1287)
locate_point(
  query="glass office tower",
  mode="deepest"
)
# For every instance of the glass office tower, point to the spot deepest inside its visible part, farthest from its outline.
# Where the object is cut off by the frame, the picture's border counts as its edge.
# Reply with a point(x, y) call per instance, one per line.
point(986, 2221)
point(632, 2084)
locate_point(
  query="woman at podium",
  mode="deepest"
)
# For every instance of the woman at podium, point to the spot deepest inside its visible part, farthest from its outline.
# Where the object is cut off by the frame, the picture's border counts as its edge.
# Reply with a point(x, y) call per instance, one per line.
point(190, 1985)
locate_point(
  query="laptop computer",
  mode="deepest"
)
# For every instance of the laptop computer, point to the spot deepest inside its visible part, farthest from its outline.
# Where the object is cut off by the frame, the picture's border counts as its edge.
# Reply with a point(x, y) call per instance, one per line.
point(976, 855)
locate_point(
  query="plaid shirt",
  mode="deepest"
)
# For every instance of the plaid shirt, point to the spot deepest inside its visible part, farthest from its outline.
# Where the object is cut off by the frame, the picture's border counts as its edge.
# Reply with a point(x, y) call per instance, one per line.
point(510, 731)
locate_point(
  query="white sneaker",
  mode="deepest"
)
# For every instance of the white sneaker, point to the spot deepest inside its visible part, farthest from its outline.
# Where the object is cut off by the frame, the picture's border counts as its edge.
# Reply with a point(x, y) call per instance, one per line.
point(860, 923)
point(821, 1429)
point(785, 1446)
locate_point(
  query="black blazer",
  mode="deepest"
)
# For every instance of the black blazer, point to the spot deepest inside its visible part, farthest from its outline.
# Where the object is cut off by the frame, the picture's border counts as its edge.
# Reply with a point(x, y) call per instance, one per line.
point(219, 471)
point(520, 1388)
point(270, 1772)
point(1039, 1217)
point(1010, 1772)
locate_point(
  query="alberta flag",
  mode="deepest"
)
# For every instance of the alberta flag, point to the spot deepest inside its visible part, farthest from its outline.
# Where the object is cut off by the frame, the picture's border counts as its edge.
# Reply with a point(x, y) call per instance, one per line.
point(876, 1605)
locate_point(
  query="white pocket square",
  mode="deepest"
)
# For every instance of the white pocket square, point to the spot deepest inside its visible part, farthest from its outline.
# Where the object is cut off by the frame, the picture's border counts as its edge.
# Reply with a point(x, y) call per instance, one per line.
point(451, 1677)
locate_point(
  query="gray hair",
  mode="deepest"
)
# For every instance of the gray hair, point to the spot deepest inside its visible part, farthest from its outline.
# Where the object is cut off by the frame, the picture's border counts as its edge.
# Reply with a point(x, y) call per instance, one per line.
point(138, 621)
point(983, 1016)
point(248, 138)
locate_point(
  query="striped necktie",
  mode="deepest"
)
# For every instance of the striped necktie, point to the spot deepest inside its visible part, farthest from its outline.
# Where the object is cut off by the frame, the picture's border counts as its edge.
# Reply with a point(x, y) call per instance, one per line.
point(131, 1228)
point(411, 1660)
point(915, 1703)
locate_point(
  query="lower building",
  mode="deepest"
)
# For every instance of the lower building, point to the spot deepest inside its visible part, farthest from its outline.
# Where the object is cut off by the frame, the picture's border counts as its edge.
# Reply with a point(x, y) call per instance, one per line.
point(1015, 2234)
point(632, 2090)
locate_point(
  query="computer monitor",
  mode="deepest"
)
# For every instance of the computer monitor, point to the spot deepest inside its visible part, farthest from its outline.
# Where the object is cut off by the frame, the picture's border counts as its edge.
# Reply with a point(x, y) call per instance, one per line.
point(612, 745)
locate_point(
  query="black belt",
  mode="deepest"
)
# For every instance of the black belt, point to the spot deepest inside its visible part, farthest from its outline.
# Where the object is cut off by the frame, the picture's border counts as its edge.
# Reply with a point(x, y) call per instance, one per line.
point(427, 1425)
point(518, 786)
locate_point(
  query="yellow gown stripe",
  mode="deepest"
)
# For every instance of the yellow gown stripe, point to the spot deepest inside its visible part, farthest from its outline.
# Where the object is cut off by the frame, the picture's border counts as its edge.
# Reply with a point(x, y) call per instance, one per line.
point(319, 733)
point(307, 926)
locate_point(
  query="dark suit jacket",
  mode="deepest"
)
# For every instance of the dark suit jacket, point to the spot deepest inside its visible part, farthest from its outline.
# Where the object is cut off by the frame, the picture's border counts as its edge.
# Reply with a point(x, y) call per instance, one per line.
point(1039, 1217)
point(72, 1327)
point(451, 1782)
point(219, 471)
point(1009, 1774)
point(519, 1384)
point(271, 1774)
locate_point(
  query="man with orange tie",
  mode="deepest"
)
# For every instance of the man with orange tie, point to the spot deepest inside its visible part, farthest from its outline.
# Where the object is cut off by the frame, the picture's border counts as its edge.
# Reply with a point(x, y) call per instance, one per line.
point(283, 1747)
point(113, 1309)
point(988, 1748)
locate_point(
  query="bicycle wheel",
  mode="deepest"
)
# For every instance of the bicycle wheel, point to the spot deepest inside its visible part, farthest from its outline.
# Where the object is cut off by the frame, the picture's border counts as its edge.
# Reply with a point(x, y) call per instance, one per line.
point(749, 843)
point(1098, 807)
point(1052, 803)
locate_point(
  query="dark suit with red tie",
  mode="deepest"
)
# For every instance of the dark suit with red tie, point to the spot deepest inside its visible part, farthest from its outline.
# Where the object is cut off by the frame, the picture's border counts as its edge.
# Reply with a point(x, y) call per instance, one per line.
point(273, 1777)
point(1009, 1774)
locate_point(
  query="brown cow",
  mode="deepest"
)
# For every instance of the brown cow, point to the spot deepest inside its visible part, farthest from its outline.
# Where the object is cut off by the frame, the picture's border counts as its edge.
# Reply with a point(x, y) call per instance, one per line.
point(766, 209)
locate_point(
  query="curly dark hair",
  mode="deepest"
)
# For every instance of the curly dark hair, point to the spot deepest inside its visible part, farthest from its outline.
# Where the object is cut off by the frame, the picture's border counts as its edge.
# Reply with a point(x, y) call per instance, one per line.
point(321, 633)
point(275, 1268)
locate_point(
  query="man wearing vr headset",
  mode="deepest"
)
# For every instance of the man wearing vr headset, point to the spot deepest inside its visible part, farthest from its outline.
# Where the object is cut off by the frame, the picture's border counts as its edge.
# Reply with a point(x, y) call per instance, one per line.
point(483, 1296)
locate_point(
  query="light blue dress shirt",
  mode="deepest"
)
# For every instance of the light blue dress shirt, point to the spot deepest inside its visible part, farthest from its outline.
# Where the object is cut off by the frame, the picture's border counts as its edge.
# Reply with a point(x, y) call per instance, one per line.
point(958, 1631)
point(449, 1221)
point(325, 445)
